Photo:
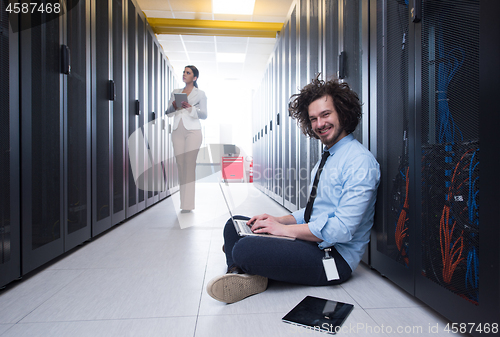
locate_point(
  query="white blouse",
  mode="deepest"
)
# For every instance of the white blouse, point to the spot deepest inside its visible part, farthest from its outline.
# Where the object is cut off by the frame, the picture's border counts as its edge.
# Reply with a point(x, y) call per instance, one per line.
point(191, 116)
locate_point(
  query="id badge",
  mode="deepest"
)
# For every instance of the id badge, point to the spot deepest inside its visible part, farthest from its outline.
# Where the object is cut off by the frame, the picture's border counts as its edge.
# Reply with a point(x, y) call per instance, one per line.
point(330, 266)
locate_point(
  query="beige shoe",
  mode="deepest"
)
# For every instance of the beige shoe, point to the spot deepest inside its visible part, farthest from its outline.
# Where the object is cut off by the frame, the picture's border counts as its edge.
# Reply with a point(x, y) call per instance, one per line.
point(232, 288)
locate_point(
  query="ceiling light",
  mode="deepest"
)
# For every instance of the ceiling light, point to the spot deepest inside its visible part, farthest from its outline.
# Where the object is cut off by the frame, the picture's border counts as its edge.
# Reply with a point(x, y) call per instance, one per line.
point(241, 7)
point(231, 57)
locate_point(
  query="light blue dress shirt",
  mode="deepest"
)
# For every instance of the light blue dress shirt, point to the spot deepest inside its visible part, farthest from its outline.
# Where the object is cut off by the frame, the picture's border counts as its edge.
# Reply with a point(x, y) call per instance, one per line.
point(344, 207)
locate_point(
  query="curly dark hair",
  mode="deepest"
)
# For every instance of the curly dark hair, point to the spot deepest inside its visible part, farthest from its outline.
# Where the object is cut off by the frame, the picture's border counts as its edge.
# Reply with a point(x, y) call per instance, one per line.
point(345, 100)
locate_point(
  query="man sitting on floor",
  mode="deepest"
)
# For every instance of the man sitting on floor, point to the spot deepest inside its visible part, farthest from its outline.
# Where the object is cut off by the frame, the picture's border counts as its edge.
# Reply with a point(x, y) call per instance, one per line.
point(338, 216)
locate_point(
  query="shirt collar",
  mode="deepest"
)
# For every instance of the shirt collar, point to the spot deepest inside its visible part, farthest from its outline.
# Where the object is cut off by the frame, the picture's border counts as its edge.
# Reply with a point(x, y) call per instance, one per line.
point(339, 144)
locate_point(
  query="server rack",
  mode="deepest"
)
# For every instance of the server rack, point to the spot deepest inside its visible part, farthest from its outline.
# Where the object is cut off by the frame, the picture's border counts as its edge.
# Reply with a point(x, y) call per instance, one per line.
point(119, 108)
point(136, 110)
point(330, 23)
point(294, 132)
point(313, 69)
point(143, 116)
point(108, 122)
point(277, 125)
point(149, 131)
point(289, 144)
point(308, 44)
point(10, 249)
point(174, 177)
point(69, 181)
point(283, 115)
point(391, 252)
point(303, 142)
point(353, 61)
point(42, 138)
point(161, 125)
point(157, 124)
point(77, 130)
point(433, 235)
point(102, 116)
point(162, 90)
point(462, 269)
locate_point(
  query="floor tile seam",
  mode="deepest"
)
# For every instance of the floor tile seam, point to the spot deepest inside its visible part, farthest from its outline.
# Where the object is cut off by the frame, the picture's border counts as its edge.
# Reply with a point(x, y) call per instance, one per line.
point(247, 313)
point(373, 319)
point(202, 286)
point(400, 324)
point(351, 296)
point(106, 319)
point(114, 268)
point(398, 308)
point(12, 326)
point(49, 298)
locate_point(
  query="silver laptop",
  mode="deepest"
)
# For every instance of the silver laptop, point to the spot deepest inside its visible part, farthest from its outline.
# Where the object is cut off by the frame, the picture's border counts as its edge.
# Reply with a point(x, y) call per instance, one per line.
point(241, 225)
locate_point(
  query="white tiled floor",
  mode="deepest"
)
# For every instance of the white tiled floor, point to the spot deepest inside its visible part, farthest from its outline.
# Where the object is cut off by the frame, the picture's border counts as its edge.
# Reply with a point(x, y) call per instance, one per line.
point(147, 277)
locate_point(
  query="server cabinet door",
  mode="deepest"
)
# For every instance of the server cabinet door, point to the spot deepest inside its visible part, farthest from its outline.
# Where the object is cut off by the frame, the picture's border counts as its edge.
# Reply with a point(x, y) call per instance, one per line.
point(391, 252)
point(157, 123)
point(285, 119)
point(451, 245)
point(133, 111)
point(102, 107)
point(351, 52)
point(292, 126)
point(149, 127)
point(303, 142)
point(313, 55)
point(162, 127)
point(77, 130)
point(330, 42)
point(10, 248)
point(119, 116)
point(143, 116)
point(354, 44)
point(42, 139)
point(277, 126)
point(136, 112)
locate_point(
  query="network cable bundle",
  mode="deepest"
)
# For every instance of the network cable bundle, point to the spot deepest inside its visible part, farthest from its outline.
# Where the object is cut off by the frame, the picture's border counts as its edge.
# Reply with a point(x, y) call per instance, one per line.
point(400, 209)
point(450, 216)
point(450, 169)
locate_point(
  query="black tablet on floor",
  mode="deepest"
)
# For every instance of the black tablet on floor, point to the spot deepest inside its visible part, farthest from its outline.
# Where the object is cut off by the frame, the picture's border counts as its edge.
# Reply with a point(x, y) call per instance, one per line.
point(319, 314)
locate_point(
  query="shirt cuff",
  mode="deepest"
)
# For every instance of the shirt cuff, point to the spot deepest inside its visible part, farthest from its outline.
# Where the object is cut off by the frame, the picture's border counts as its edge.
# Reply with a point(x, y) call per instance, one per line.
point(299, 216)
point(317, 226)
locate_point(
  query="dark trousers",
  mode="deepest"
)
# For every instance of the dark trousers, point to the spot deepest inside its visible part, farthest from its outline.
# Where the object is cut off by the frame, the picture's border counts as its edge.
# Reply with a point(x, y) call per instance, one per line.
point(296, 261)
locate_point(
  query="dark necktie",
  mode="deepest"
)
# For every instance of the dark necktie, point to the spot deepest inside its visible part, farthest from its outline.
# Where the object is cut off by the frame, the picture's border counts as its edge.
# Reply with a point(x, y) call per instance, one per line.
point(312, 196)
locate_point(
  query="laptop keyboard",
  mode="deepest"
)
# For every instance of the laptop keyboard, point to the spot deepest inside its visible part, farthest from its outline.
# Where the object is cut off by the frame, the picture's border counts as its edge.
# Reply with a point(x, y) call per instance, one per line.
point(243, 226)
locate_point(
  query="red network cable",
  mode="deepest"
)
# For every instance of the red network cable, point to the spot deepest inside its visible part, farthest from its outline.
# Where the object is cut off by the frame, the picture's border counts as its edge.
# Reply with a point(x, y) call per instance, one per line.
point(451, 257)
point(401, 229)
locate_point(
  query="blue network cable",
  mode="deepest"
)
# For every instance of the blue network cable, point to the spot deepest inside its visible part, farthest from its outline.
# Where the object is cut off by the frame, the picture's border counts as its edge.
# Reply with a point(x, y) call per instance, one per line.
point(473, 195)
point(449, 64)
point(472, 274)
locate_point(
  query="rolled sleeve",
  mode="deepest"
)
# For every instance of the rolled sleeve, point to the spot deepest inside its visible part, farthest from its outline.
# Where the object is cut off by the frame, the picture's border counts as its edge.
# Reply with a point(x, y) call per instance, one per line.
point(316, 227)
point(299, 216)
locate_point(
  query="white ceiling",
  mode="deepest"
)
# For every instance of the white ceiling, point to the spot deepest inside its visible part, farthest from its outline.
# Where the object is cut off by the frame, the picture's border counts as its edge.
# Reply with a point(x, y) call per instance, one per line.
point(200, 51)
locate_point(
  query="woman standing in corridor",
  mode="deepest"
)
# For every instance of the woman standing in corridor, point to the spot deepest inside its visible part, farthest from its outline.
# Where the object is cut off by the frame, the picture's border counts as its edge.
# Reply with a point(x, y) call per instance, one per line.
point(186, 134)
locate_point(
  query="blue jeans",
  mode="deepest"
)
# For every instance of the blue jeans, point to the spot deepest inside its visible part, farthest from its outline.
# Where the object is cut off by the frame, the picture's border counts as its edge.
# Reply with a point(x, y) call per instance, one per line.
point(296, 261)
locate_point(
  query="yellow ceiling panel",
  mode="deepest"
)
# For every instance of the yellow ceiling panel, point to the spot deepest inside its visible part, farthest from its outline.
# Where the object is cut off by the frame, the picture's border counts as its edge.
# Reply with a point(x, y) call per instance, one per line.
point(215, 27)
